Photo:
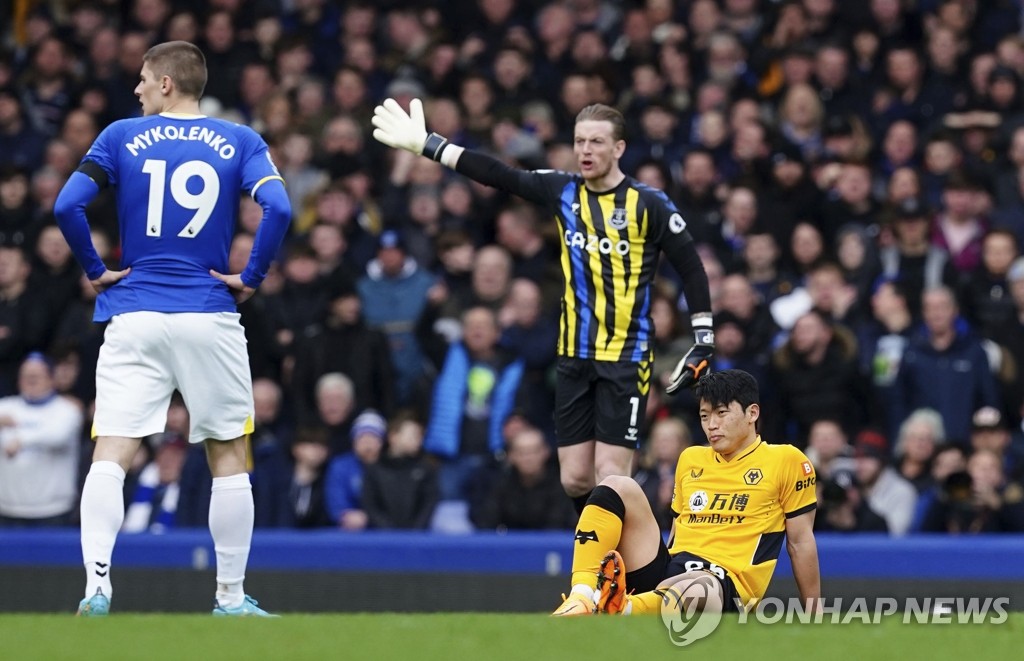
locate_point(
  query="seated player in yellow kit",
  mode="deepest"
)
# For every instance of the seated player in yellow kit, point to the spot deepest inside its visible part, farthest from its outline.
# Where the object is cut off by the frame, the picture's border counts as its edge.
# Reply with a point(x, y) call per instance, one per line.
point(735, 503)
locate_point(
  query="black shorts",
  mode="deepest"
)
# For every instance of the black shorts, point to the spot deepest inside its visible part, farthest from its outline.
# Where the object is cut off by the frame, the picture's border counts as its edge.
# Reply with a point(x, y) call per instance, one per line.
point(665, 566)
point(601, 400)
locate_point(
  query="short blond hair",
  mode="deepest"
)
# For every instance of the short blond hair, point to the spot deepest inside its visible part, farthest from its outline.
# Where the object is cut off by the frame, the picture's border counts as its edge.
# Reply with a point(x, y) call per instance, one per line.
point(599, 112)
point(182, 62)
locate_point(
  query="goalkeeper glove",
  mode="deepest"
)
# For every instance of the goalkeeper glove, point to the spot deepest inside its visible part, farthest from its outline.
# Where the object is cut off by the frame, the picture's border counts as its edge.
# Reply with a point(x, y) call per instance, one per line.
point(695, 364)
point(397, 129)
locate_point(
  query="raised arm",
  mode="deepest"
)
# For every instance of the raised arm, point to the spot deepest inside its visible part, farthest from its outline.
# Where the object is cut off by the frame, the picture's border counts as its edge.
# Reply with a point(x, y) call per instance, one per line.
point(400, 130)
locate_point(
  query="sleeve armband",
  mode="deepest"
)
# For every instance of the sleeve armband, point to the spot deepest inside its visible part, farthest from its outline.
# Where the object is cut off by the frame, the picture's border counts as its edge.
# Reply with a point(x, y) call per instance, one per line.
point(803, 510)
point(94, 172)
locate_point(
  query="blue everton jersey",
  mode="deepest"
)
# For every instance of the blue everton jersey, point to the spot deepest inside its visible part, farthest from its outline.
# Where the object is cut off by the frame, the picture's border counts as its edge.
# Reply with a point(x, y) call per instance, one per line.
point(178, 180)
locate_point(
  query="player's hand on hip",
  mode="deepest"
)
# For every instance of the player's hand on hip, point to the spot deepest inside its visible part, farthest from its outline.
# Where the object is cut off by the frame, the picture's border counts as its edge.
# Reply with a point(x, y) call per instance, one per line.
point(695, 364)
point(109, 279)
point(397, 129)
point(241, 291)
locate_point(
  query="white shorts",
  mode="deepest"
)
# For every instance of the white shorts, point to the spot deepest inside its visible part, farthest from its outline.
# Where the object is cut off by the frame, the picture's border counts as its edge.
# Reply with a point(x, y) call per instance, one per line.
point(146, 356)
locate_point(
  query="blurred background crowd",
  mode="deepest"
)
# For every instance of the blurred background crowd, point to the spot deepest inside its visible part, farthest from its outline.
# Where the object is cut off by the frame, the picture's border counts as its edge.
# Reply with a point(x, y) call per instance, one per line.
point(852, 171)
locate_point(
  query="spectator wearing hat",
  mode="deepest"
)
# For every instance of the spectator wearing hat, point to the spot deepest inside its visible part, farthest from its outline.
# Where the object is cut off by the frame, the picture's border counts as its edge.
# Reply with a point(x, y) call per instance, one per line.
point(912, 259)
point(843, 508)
point(991, 433)
point(21, 145)
point(884, 489)
point(975, 127)
point(1004, 94)
point(394, 294)
point(945, 369)
point(343, 487)
point(844, 139)
point(343, 342)
point(39, 435)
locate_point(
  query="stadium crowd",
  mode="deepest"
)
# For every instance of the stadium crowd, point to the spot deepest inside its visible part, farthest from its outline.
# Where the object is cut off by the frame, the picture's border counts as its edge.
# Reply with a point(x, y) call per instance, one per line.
point(853, 172)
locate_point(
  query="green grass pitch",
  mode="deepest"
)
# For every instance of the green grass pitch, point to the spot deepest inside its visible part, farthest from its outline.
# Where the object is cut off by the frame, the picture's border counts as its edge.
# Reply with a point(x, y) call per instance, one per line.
point(468, 637)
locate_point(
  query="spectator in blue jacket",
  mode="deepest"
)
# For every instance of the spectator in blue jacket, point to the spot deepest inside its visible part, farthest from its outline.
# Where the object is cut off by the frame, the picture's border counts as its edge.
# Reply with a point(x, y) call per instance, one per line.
point(344, 485)
point(394, 294)
point(474, 394)
point(946, 369)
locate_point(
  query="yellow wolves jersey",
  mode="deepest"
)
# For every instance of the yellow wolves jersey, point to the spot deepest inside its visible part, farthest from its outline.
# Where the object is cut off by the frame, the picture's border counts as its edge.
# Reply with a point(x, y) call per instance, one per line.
point(733, 513)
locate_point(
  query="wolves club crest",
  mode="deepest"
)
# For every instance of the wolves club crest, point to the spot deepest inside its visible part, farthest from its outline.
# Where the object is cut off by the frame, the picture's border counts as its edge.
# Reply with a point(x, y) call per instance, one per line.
point(584, 536)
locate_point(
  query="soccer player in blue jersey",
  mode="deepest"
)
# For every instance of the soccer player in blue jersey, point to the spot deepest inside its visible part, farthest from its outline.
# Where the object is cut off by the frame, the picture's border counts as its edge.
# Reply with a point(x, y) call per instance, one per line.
point(172, 306)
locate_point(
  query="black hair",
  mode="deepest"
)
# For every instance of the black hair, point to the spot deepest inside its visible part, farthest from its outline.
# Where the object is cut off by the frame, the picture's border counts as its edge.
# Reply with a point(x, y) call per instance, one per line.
point(723, 388)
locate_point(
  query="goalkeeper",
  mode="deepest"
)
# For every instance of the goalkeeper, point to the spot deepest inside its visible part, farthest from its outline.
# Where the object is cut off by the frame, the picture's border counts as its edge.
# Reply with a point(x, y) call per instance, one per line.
point(612, 229)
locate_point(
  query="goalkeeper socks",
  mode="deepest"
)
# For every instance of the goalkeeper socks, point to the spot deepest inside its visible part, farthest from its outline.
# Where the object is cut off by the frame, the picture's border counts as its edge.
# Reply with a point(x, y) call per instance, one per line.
point(231, 520)
point(102, 512)
point(597, 533)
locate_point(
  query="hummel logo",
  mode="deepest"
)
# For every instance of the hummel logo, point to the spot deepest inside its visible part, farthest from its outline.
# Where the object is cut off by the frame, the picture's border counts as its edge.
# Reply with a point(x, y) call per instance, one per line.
point(696, 474)
point(103, 566)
